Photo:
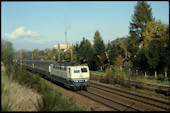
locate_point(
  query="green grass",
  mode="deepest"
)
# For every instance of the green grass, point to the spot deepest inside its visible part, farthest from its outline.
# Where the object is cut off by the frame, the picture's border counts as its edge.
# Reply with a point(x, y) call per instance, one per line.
point(165, 82)
point(98, 72)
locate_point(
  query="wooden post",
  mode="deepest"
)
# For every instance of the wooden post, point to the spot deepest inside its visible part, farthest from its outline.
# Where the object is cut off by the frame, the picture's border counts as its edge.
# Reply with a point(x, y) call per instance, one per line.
point(165, 75)
point(21, 58)
point(58, 52)
point(137, 72)
point(71, 55)
point(145, 75)
point(32, 55)
point(155, 74)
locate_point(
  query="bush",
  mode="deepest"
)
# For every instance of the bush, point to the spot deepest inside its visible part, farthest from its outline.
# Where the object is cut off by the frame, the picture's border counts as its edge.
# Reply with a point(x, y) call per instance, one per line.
point(141, 84)
point(53, 100)
point(160, 77)
point(9, 70)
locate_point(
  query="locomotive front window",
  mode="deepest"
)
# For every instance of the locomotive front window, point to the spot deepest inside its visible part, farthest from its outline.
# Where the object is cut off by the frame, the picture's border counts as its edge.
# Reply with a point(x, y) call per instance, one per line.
point(83, 69)
point(76, 71)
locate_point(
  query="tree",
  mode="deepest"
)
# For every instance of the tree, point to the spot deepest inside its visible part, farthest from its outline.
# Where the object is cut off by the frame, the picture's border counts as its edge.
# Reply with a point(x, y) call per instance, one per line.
point(49, 54)
point(76, 56)
point(35, 54)
point(153, 30)
point(119, 61)
point(161, 29)
point(58, 53)
point(85, 50)
point(148, 33)
point(153, 54)
point(132, 47)
point(113, 54)
point(140, 61)
point(68, 54)
point(7, 51)
point(165, 47)
point(142, 15)
point(99, 50)
point(156, 37)
point(108, 46)
point(53, 53)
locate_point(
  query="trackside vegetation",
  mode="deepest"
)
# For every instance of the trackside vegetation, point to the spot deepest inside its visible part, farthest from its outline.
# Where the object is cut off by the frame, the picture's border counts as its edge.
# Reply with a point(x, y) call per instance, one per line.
point(52, 100)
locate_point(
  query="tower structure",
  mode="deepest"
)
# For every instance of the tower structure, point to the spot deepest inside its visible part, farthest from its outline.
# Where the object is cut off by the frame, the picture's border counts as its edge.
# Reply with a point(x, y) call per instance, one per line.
point(65, 38)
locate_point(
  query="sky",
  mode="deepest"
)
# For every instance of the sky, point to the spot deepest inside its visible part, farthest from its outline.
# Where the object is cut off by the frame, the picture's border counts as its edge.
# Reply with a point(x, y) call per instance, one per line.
point(31, 25)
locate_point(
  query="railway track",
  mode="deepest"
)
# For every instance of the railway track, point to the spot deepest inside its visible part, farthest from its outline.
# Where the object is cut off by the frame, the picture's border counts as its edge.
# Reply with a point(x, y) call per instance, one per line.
point(115, 105)
point(121, 100)
point(163, 89)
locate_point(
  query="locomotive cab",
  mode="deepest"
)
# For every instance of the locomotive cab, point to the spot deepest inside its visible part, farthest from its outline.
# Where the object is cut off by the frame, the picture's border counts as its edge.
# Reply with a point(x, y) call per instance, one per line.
point(79, 77)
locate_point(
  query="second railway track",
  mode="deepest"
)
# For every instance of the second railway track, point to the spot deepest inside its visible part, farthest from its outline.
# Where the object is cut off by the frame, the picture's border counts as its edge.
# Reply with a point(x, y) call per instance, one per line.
point(121, 100)
point(115, 105)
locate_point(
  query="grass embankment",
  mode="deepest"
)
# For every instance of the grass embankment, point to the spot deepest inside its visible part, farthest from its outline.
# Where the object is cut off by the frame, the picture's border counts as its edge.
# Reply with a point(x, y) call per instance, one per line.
point(16, 97)
point(51, 100)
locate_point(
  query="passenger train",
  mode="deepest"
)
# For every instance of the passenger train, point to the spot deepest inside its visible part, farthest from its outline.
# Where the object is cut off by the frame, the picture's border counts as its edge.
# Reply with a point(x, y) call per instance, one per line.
point(72, 76)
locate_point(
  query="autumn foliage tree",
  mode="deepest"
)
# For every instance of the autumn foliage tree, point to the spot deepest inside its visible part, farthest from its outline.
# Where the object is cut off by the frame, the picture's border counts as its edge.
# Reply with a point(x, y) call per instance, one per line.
point(119, 61)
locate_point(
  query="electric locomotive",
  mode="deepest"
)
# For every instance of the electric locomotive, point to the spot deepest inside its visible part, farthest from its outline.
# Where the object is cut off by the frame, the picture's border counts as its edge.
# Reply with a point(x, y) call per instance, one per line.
point(72, 76)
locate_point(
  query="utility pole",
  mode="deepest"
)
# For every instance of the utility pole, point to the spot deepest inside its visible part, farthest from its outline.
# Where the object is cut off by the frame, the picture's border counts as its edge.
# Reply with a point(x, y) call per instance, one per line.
point(21, 58)
point(32, 55)
point(71, 48)
point(58, 52)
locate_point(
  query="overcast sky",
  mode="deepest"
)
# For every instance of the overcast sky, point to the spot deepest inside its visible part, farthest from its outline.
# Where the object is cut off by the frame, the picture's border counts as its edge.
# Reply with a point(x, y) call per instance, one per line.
point(31, 25)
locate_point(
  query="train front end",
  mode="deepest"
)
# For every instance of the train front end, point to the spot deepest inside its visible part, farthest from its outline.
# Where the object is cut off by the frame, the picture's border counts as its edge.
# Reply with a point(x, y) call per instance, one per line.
point(79, 77)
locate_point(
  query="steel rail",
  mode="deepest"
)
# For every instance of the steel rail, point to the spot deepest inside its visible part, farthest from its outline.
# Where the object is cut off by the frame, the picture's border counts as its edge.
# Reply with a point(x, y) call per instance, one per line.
point(113, 101)
point(99, 101)
point(133, 95)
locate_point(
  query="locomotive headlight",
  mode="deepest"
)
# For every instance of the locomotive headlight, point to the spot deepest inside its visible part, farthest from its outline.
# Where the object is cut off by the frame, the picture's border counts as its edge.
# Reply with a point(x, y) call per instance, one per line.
point(86, 79)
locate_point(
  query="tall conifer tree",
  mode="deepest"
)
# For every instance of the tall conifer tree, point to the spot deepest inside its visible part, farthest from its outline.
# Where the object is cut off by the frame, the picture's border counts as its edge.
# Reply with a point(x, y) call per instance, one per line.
point(99, 50)
point(142, 14)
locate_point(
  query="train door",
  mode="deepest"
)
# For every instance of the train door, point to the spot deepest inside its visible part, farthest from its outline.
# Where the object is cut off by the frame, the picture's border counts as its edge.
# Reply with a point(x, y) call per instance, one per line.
point(68, 72)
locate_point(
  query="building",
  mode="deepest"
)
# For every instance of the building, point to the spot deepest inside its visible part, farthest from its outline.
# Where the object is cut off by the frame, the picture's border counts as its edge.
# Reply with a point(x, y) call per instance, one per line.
point(63, 47)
